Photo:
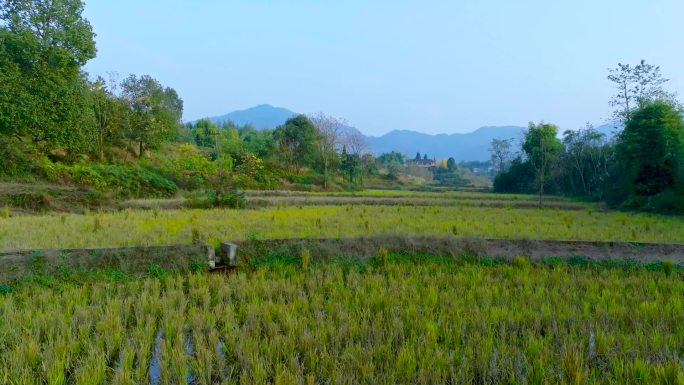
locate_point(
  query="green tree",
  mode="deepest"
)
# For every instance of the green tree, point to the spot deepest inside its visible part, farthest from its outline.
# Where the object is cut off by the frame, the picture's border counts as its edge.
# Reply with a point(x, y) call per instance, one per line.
point(154, 111)
point(393, 162)
point(351, 164)
point(297, 140)
point(543, 150)
point(56, 28)
point(650, 147)
point(261, 142)
point(204, 133)
point(43, 92)
point(519, 178)
point(584, 164)
point(109, 114)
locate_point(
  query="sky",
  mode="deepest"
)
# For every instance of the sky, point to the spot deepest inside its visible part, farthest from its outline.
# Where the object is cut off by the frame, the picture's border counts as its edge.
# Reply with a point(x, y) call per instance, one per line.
point(424, 65)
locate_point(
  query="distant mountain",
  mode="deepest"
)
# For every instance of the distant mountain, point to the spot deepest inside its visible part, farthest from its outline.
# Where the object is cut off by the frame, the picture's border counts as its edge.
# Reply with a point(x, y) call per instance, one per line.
point(610, 130)
point(470, 146)
point(261, 117)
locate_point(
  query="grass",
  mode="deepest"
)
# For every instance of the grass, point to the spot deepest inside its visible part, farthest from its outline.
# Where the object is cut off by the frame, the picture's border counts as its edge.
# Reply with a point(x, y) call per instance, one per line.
point(131, 227)
point(463, 195)
point(395, 321)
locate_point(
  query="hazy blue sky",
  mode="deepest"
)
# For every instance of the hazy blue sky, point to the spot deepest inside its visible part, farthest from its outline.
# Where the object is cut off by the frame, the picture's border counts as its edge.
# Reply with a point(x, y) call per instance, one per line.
point(430, 66)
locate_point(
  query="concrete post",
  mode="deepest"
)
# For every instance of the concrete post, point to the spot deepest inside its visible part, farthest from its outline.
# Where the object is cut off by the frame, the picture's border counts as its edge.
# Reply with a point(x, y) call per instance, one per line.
point(229, 253)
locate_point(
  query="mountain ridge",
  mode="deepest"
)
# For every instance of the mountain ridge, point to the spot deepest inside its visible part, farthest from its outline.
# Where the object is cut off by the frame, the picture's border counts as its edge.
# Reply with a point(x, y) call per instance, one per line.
point(467, 146)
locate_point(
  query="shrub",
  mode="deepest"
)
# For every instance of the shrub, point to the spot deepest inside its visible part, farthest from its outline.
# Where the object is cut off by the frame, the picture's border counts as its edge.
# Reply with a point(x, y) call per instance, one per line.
point(124, 181)
point(198, 266)
point(208, 199)
point(5, 288)
point(191, 168)
point(155, 271)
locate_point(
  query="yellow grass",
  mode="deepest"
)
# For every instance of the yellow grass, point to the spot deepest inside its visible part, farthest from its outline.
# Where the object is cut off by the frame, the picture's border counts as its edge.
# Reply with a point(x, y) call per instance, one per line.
point(175, 226)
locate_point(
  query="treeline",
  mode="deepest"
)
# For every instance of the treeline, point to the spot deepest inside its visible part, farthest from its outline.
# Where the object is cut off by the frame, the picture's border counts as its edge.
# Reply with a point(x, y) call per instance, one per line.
point(641, 167)
point(444, 172)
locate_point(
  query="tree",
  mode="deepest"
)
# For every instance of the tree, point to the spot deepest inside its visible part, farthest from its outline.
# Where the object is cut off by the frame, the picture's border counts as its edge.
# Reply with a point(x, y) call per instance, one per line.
point(393, 162)
point(43, 93)
point(329, 129)
point(297, 140)
point(543, 149)
point(501, 154)
point(519, 178)
point(636, 85)
point(204, 133)
point(417, 156)
point(451, 164)
point(108, 112)
point(391, 157)
point(56, 27)
point(154, 112)
point(355, 142)
point(585, 162)
point(350, 164)
point(262, 142)
point(651, 149)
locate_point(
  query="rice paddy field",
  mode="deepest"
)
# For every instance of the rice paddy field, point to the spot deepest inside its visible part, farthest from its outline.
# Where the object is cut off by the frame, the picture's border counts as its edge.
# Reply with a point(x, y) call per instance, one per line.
point(387, 320)
point(287, 219)
point(398, 323)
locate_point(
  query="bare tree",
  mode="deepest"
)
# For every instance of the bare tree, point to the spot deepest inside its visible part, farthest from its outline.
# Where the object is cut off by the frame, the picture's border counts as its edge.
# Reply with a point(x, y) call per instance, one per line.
point(500, 150)
point(329, 130)
point(635, 85)
point(355, 142)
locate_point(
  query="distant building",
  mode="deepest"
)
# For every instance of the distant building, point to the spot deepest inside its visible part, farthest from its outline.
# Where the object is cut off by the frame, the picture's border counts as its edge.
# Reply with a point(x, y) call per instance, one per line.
point(425, 163)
